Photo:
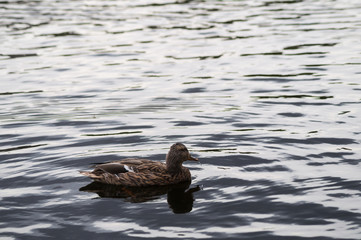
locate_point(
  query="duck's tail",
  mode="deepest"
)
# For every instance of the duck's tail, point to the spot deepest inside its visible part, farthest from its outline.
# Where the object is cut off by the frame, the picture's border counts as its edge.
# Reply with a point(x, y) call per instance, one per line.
point(89, 174)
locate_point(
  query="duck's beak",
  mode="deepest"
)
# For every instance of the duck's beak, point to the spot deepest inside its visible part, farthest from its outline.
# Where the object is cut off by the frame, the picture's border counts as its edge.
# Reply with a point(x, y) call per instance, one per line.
point(190, 158)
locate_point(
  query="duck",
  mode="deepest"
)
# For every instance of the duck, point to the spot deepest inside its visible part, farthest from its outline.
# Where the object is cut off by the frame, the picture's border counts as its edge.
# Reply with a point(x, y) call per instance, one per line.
point(137, 172)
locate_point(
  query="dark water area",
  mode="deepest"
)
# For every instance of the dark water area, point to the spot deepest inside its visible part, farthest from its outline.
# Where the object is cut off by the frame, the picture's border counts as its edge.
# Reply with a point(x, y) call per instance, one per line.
point(265, 93)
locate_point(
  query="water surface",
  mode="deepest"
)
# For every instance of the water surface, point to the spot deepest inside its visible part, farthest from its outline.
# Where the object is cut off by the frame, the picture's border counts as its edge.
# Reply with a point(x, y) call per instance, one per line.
point(265, 93)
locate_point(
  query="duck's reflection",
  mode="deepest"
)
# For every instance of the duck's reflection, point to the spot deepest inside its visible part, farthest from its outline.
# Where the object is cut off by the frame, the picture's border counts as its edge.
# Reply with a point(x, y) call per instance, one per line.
point(179, 196)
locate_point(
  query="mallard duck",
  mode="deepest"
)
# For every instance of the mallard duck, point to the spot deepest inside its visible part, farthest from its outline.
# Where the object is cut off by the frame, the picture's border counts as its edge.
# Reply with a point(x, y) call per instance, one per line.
point(135, 172)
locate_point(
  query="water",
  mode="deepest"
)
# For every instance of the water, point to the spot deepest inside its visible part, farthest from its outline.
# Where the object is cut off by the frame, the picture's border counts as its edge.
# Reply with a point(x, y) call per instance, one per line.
point(265, 93)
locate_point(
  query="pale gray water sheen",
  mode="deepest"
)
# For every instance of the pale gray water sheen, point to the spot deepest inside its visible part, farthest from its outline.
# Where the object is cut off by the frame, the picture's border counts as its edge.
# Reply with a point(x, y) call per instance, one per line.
point(265, 93)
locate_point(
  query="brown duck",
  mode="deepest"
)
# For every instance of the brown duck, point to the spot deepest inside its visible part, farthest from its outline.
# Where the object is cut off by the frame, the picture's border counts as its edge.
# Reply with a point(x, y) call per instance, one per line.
point(137, 172)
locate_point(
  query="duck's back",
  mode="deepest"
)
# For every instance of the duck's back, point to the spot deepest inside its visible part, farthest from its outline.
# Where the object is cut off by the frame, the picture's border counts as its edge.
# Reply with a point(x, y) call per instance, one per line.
point(142, 165)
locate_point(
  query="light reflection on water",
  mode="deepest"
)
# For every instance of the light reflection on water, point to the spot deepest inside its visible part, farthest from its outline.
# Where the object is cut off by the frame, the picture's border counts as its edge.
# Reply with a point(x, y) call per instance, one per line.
point(265, 93)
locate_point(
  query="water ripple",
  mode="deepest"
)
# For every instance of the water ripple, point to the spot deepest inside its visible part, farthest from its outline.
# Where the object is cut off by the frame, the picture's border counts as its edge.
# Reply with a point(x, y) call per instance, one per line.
point(265, 93)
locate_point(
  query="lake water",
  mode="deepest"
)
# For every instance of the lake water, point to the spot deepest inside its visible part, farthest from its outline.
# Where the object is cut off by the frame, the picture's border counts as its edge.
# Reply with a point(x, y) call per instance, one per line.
point(265, 93)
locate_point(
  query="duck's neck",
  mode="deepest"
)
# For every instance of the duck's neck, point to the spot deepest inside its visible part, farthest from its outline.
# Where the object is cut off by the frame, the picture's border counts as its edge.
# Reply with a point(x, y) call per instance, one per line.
point(174, 169)
point(173, 166)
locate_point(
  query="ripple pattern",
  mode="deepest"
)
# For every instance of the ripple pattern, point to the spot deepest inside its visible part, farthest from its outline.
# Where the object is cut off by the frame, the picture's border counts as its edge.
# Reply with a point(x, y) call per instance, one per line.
point(265, 93)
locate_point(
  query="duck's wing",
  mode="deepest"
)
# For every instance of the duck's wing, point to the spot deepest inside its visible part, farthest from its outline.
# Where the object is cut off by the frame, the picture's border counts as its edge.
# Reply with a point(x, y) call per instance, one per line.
point(130, 172)
point(126, 165)
point(113, 168)
point(133, 165)
point(132, 179)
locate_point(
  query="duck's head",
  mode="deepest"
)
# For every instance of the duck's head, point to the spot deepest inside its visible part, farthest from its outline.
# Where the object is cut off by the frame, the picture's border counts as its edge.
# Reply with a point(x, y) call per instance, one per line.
point(178, 153)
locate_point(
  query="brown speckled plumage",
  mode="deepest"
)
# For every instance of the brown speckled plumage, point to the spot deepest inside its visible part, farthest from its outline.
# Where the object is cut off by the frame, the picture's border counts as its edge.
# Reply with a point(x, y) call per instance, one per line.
point(142, 172)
